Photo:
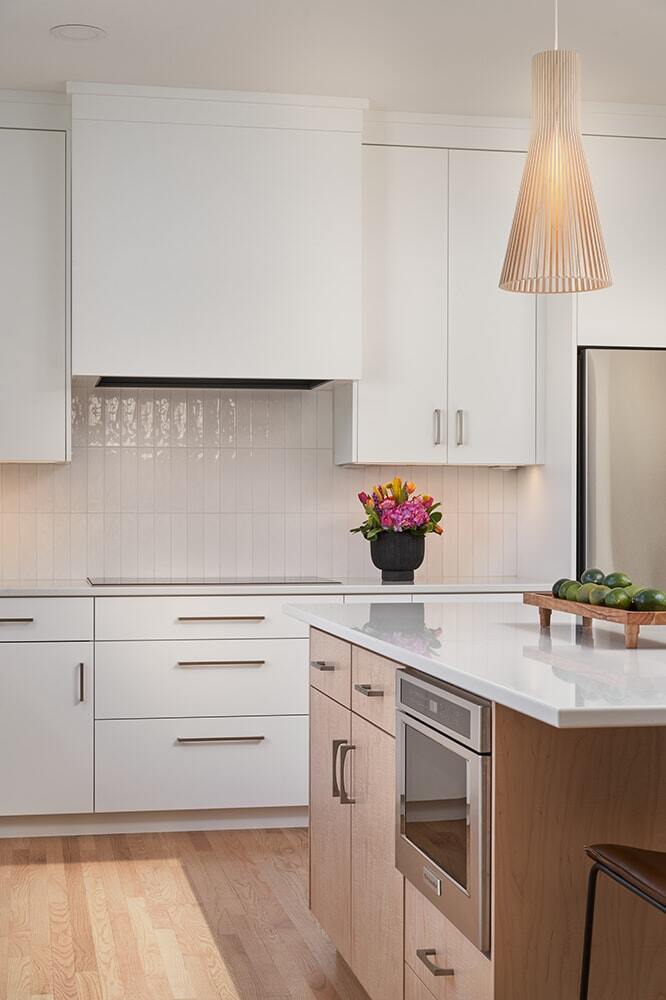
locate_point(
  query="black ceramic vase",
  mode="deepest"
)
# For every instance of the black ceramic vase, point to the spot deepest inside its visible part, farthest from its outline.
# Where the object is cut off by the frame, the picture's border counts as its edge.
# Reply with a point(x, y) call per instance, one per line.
point(397, 554)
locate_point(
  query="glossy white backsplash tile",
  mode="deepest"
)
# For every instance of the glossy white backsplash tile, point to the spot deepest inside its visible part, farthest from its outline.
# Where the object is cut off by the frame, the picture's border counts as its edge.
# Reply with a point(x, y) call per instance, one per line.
point(232, 483)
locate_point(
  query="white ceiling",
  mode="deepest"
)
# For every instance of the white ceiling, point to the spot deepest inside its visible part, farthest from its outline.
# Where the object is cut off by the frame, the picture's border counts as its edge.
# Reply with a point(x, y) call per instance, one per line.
point(466, 56)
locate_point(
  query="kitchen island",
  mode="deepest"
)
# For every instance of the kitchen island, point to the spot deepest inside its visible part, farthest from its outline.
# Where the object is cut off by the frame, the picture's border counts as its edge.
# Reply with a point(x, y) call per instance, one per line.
point(578, 757)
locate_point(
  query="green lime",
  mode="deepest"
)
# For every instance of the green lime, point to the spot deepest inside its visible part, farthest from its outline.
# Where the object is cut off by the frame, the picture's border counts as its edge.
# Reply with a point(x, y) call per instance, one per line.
point(563, 586)
point(556, 586)
point(592, 576)
point(618, 598)
point(649, 600)
point(585, 591)
point(572, 591)
point(598, 594)
point(614, 580)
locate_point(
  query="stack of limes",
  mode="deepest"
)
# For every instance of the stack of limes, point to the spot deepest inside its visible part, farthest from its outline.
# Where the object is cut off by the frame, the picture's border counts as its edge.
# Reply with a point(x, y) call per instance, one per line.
point(612, 590)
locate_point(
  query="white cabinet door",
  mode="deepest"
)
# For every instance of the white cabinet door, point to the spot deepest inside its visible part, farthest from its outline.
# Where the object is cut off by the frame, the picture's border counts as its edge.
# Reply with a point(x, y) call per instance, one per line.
point(208, 251)
point(404, 292)
point(33, 326)
point(492, 333)
point(628, 179)
point(46, 728)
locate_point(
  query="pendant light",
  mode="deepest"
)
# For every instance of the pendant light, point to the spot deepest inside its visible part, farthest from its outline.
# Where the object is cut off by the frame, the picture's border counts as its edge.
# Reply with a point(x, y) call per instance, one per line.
point(556, 243)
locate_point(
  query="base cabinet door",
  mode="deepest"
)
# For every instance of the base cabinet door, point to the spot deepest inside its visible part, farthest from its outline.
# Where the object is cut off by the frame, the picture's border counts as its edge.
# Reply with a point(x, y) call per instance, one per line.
point(330, 821)
point(377, 886)
point(46, 728)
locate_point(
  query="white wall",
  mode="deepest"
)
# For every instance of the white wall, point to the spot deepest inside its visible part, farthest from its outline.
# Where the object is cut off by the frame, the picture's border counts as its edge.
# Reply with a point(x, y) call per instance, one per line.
point(547, 493)
point(177, 483)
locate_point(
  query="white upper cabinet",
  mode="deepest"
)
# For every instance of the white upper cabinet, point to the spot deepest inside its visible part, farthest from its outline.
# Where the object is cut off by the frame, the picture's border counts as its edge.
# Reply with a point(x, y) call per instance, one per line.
point(449, 360)
point(399, 407)
point(33, 296)
point(215, 235)
point(628, 180)
point(492, 333)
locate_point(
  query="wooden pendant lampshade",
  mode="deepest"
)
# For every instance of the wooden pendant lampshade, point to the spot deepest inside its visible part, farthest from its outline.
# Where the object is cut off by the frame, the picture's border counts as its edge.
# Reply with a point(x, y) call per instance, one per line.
point(556, 243)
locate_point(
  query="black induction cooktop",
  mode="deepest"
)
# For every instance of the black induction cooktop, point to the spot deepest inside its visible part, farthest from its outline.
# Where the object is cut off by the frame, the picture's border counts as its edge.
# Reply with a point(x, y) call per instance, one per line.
point(208, 581)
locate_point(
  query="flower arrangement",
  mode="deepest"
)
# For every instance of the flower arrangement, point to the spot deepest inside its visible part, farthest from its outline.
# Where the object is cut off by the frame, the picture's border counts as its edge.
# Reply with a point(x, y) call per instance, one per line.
point(396, 506)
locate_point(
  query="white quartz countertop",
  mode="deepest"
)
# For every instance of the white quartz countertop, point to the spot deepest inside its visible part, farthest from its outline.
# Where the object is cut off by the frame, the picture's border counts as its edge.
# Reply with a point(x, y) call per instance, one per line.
point(566, 676)
point(81, 588)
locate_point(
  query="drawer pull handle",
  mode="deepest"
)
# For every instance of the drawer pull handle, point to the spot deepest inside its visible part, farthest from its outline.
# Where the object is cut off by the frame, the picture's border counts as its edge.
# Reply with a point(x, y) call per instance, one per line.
point(321, 665)
point(16, 621)
point(221, 663)
point(336, 747)
point(82, 683)
point(424, 954)
point(219, 739)
point(369, 691)
point(221, 618)
point(345, 800)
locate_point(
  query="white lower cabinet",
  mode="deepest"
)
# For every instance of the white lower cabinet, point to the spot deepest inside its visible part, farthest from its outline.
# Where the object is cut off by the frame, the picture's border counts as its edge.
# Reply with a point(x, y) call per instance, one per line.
point(222, 677)
point(166, 764)
point(46, 728)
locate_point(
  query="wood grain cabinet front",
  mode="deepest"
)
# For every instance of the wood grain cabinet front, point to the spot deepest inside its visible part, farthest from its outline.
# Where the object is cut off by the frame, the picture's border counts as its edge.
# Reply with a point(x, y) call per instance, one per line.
point(330, 820)
point(373, 688)
point(330, 666)
point(377, 885)
point(440, 956)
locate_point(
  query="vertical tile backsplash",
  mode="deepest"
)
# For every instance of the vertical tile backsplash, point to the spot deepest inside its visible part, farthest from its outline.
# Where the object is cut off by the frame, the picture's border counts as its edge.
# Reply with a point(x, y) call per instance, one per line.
point(190, 483)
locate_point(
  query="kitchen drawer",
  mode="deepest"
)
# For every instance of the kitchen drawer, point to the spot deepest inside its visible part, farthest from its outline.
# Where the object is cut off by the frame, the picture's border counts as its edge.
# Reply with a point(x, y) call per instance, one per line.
point(141, 765)
point(427, 928)
point(46, 619)
point(201, 617)
point(414, 988)
point(373, 688)
point(330, 666)
point(201, 677)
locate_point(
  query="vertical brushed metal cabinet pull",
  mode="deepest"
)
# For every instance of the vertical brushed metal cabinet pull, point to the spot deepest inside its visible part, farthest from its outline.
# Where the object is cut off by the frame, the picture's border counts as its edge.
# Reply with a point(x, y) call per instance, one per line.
point(425, 954)
point(82, 683)
point(437, 429)
point(336, 748)
point(345, 800)
point(369, 691)
point(321, 665)
point(460, 418)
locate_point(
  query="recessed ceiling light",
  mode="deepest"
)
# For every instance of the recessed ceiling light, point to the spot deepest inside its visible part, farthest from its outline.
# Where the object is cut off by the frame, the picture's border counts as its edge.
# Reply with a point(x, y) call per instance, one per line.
point(78, 32)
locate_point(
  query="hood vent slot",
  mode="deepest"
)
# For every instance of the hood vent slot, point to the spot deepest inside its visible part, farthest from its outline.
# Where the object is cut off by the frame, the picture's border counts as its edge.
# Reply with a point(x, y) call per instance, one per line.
point(119, 382)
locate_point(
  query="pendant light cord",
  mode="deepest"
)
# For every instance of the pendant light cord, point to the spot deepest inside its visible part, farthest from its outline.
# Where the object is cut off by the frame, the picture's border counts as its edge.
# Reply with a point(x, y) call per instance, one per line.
point(557, 31)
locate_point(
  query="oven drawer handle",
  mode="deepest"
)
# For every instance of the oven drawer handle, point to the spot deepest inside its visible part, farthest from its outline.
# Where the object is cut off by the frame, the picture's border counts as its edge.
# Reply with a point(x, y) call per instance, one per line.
point(16, 621)
point(321, 665)
point(345, 800)
point(336, 749)
point(424, 954)
point(369, 691)
point(221, 618)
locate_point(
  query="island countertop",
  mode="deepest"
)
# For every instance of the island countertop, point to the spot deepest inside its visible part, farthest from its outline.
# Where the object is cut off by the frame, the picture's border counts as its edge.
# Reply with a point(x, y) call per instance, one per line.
point(567, 676)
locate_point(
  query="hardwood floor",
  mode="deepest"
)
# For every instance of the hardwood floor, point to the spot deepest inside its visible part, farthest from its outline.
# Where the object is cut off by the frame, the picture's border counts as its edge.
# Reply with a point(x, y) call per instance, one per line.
point(178, 916)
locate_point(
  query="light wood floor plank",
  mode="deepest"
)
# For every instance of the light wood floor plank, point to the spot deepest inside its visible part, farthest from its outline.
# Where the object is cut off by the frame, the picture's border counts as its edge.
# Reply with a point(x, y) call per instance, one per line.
point(218, 915)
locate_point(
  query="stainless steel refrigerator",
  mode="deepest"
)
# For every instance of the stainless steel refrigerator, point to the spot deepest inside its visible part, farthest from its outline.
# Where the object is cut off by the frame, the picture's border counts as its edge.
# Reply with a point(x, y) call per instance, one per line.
point(622, 463)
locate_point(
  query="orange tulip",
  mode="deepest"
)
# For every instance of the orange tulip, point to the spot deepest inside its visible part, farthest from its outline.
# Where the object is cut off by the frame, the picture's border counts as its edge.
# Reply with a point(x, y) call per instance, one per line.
point(411, 487)
point(439, 530)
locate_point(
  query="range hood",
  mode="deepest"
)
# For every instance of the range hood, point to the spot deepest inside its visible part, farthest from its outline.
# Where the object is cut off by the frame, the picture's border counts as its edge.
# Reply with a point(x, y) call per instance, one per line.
point(144, 382)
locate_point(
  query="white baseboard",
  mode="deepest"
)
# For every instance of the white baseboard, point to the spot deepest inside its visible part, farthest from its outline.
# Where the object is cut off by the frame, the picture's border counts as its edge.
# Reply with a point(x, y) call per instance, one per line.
point(152, 822)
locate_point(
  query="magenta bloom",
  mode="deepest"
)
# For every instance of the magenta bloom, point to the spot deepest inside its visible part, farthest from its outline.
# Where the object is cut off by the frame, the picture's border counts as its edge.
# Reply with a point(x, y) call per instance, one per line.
point(363, 497)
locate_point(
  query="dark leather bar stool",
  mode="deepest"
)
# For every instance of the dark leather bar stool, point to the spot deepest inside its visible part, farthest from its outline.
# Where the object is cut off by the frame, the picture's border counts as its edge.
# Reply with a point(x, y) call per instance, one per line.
point(641, 872)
